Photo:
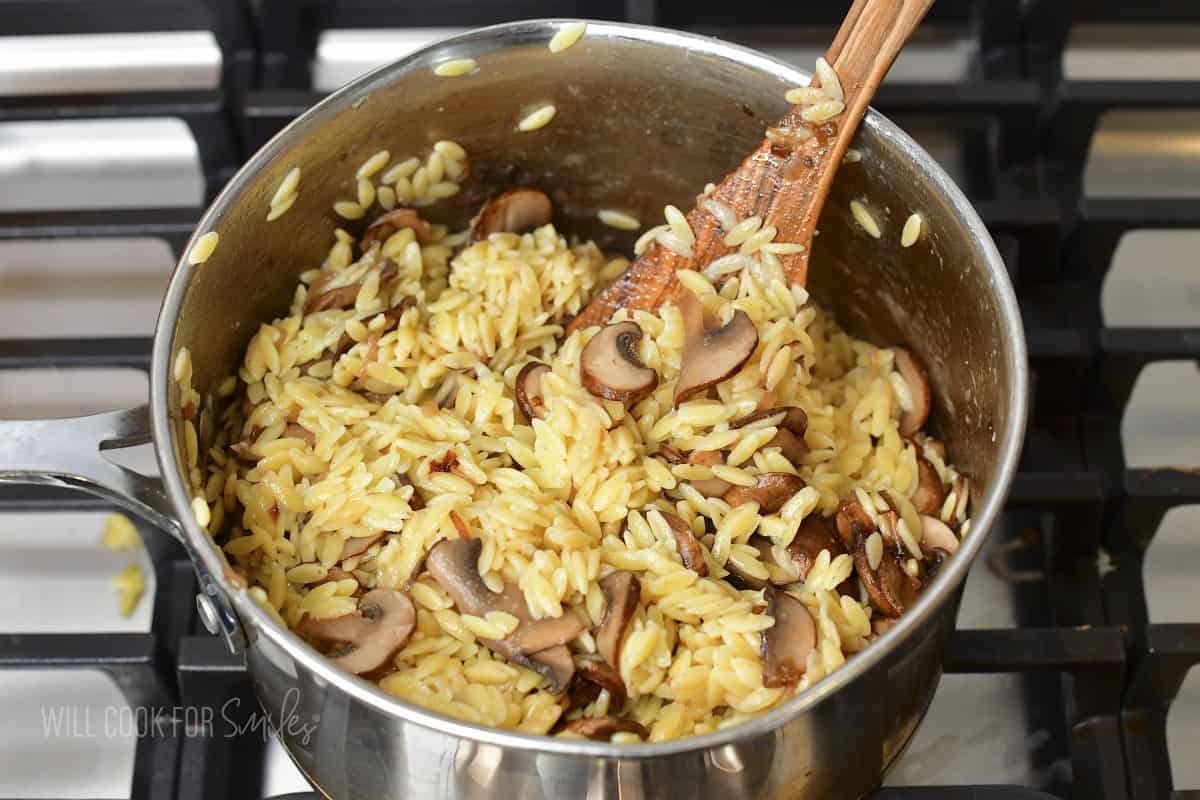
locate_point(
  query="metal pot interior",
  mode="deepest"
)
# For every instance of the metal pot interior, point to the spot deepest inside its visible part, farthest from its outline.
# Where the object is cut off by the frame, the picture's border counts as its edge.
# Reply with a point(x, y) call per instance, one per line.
point(644, 119)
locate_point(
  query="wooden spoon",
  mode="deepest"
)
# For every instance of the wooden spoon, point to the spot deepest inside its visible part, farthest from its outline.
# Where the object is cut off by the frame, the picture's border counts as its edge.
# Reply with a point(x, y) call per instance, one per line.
point(783, 181)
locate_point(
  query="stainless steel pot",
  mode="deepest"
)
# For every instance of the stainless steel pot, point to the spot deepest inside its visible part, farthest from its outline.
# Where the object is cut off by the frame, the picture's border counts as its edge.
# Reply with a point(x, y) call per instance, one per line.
point(645, 117)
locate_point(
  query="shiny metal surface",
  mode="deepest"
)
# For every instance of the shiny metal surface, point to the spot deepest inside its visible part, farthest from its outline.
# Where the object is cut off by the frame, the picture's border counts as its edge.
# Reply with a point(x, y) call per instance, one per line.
point(1144, 154)
point(345, 54)
point(99, 163)
point(688, 106)
point(104, 62)
point(1116, 52)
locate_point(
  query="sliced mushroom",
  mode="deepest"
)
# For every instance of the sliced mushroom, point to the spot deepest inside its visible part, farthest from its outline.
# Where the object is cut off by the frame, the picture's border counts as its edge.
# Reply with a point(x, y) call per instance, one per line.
point(598, 673)
point(689, 549)
point(603, 728)
point(890, 588)
point(792, 446)
point(765, 555)
point(786, 644)
point(295, 430)
point(622, 591)
point(382, 624)
point(672, 455)
point(555, 664)
point(341, 297)
point(454, 564)
point(813, 537)
point(709, 487)
point(853, 521)
point(528, 388)
point(770, 490)
point(794, 418)
point(514, 211)
point(710, 356)
point(918, 387)
point(359, 545)
point(928, 443)
point(609, 365)
point(391, 318)
point(387, 224)
point(930, 495)
point(937, 535)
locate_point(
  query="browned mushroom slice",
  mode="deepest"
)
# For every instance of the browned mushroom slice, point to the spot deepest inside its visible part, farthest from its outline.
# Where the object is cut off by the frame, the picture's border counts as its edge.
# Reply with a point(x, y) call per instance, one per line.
point(813, 537)
point(689, 549)
point(770, 490)
point(792, 446)
point(609, 365)
point(391, 318)
point(794, 419)
point(297, 431)
point(765, 555)
point(528, 388)
point(937, 535)
point(600, 674)
point(622, 591)
point(387, 224)
point(929, 495)
point(709, 487)
point(359, 545)
point(341, 297)
point(890, 588)
point(454, 564)
point(928, 443)
point(543, 634)
point(603, 728)
point(853, 521)
point(672, 455)
point(382, 624)
point(555, 664)
point(514, 211)
point(787, 643)
point(710, 356)
point(918, 387)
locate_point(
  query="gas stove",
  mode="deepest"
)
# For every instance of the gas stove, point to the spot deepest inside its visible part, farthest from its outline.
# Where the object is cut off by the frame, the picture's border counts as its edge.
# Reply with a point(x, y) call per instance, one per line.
point(1075, 132)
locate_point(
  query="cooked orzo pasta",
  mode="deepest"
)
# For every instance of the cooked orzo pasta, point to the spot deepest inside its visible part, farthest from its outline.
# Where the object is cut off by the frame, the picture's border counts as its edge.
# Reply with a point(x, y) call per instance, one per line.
point(644, 531)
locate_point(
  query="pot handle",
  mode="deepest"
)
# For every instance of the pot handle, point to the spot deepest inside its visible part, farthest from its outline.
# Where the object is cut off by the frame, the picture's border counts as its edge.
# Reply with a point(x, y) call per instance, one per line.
point(68, 453)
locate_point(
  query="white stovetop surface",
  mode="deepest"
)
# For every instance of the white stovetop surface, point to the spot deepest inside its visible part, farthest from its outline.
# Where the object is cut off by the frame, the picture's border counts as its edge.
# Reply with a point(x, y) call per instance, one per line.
point(57, 575)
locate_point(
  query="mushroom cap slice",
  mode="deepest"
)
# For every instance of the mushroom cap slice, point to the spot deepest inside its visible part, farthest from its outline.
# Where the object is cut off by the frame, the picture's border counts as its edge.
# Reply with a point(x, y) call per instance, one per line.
point(454, 564)
point(609, 365)
point(669, 454)
point(770, 490)
point(387, 224)
point(792, 446)
point(795, 420)
point(515, 210)
point(937, 535)
point(853, 521)
point(382, 624)
point(709, 487)
point(890, 588)
point(339, 297)
point(930, 495)
point(600, 674)
point(555, 664)
point(918, 386)
point(622, 590)
point(528, 389)
point(710, 356)
point(359, 545)
point(542, 634)
point(765, 555)
point(602, 728)
point(787, 643)
point(813, 537)
point(685, 542)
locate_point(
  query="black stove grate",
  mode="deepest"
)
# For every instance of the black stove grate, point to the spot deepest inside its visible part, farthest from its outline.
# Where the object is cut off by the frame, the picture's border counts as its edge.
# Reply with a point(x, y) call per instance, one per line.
point(1110, 675)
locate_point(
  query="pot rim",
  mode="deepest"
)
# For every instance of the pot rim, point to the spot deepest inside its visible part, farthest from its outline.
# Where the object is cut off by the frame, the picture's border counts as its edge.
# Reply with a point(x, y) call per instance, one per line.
point(473, 43)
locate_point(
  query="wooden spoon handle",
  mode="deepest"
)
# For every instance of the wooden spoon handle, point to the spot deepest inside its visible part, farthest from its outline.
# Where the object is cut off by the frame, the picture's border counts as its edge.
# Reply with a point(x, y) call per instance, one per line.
point(785, 186)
